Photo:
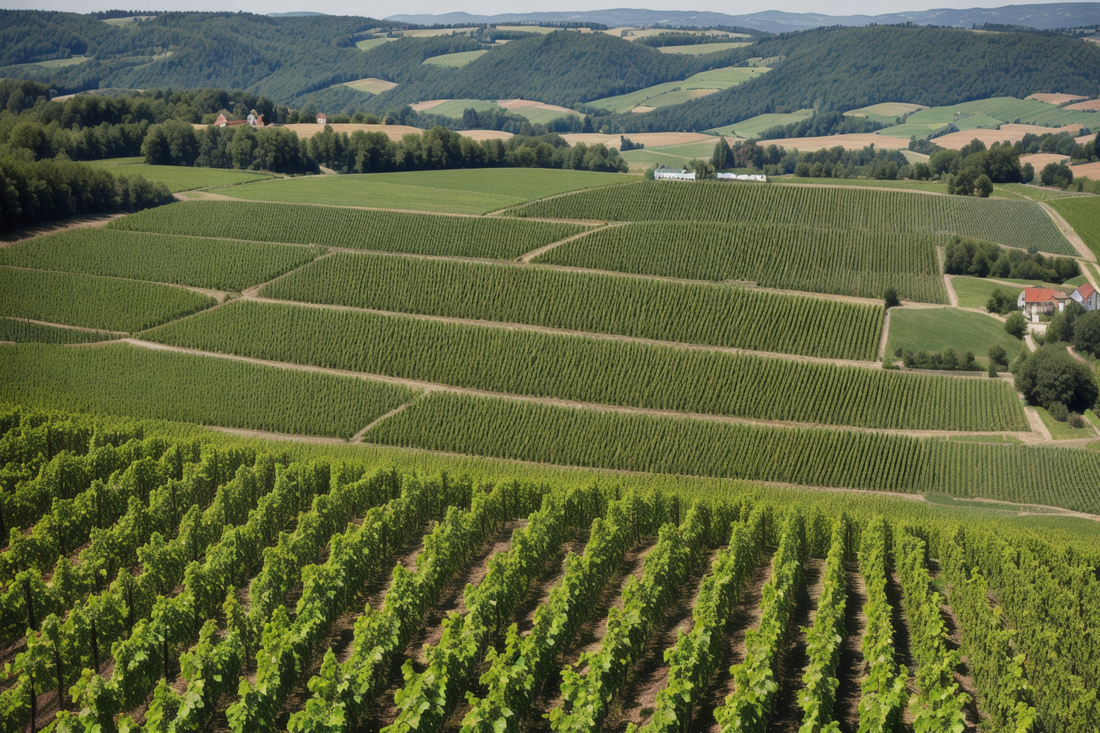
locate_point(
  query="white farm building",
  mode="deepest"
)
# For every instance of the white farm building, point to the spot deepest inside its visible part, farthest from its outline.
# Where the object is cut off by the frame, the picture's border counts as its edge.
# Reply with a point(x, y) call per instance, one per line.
point(743, 177)
point(673, 174)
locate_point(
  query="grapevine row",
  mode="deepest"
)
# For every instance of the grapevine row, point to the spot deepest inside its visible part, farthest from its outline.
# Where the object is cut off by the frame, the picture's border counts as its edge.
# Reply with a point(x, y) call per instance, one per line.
point(749, 706)
point(823, 640)
point(693, 660)
point(940, 702)
point(884, 692)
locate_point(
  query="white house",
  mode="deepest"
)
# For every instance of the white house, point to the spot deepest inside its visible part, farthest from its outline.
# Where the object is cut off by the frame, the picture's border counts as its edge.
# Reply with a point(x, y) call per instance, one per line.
point(743, 177)
point(322, 118)
point(673, 174)
point(1035, 302)
point(1087, 296)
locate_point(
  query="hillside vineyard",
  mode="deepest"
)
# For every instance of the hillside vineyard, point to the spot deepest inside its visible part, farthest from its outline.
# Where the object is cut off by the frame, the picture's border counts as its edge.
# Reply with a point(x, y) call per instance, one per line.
point(249, 566)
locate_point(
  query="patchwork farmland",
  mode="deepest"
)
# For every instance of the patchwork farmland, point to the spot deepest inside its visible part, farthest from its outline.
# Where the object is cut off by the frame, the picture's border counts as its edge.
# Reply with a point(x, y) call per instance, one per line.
point(579, 453)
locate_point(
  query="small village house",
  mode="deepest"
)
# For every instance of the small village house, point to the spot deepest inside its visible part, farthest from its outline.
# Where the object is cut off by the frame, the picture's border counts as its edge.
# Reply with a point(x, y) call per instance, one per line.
point(322, 118)
point(255, 119)
point(1087, 296)
point(1035, 302)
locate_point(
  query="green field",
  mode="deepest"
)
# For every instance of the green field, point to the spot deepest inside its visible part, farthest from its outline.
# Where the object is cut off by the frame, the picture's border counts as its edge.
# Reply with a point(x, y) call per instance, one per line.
point(204, 263)
point(939, 328)
point(597, 370)
point(88, 301)
point(455, 107)
point(676, 92)
point(855, 262)
point(1014, 223)
point(370, 43)
point(886, 113)
point(572, 437)
point(1083, 214)
point(988, 114)
point(1062, 430)
point(182, 178)
point(1032, 192)
point(455, 60)
point(756, 125)
point(445, 192)
point(701, 48)
point(696, 314)
point(370, 86)
point(974, 292)
point(17, 331)
point(384, 231)
point(120, 379)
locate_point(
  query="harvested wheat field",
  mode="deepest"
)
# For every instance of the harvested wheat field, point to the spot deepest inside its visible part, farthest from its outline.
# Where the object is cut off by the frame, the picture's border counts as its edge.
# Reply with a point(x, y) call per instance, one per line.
point(1091, 170)
point(1058, 99)
point(371, 85)
point(1041, 159)
point(527, 103)
point(1091, 104)
point(1012, 133)
point(480, 135)
point(395, 132)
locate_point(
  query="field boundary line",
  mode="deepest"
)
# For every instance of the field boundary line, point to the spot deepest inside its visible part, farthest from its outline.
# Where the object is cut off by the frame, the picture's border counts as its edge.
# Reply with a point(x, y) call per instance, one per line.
point(558, 402)
point(251, 292)
point(1068, 232)
point(358, 437)
point(1037, 424)
point(510, 326)
point(219, 295)
point(526, 258)
point(885, 336)
point(63, 325)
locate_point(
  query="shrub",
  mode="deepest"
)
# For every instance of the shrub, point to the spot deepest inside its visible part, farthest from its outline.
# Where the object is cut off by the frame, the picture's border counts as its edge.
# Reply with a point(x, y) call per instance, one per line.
point(1058, 411)
point(1016, 325)
point(998, 357)
point(891, 297)
point(1086, 333)
point(1051, 376)
point(1076, 421)
point(1000, 302)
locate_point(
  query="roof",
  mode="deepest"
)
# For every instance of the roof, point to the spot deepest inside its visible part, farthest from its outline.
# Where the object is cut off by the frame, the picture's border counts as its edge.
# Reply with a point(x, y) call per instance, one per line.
point(1085, 290)
point(1040, 295)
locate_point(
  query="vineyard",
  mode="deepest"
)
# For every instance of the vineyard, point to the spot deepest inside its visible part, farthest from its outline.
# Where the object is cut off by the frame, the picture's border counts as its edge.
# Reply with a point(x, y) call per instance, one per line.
point(650, 309)
point(1021, 224)
point(126, 380)
point(103, 303)
point(567, 436)
point(175, 584)
point(843, 262)
point(383, 231)
point(204, 263)
point(601, 371)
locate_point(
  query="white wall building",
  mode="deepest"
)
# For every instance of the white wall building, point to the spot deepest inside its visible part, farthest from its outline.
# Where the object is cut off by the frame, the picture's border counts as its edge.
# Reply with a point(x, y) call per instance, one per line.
point(673, 174)
point(760, 177)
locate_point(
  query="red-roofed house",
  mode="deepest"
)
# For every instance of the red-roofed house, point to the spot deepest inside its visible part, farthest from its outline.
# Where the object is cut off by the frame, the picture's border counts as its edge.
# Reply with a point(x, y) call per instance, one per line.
point(322, 118)
point(1087, 296)
point(1035, 302)
point(254, 120)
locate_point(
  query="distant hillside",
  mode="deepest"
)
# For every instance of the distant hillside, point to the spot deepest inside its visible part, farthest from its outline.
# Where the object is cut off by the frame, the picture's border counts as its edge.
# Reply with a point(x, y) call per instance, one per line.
point(848, 68)
point(1039, 16)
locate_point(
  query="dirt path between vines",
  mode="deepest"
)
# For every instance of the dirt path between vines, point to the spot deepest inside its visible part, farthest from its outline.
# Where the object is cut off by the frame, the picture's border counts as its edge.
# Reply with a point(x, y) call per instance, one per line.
point(786, 713)
point(851, 669)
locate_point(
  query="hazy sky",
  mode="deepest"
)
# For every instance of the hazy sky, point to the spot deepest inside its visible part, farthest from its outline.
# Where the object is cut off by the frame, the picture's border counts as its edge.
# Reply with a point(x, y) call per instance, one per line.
point(489, 7)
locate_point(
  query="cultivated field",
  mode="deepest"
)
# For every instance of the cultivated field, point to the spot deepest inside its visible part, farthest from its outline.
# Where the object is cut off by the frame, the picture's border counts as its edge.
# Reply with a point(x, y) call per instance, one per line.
point(179, 178)
point(449, 192)
point(636, 594)
point(1014, 223)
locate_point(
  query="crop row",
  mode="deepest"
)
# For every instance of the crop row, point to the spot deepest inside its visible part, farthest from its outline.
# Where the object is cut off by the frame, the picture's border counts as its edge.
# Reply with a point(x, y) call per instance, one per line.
point(120, 379)
point(813, 457)
point(601, 371)
point(383, 231)
point(651, 309)
point(841, 261)
point(90, 301)
point(1020, 224)
point(204, 263)
point(19, 331)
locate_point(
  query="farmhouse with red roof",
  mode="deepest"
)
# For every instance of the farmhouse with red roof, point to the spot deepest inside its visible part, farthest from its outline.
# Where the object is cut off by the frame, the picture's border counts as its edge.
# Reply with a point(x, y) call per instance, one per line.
point(1087, 296)
point(1035, 302)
